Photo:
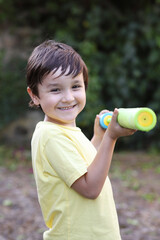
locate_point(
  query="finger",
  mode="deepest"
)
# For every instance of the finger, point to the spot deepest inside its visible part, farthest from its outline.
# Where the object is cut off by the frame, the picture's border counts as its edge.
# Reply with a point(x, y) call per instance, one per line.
point(103, 112)
point(131, 131)
point(96, 121)
point(97, 118)
point(115, 114)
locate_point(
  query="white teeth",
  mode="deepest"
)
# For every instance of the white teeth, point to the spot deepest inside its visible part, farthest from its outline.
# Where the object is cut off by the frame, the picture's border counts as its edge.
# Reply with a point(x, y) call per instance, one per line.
point(66, 108)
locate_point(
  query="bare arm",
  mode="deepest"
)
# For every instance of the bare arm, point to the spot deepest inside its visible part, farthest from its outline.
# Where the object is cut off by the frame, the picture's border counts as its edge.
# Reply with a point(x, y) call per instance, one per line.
point(90, 184)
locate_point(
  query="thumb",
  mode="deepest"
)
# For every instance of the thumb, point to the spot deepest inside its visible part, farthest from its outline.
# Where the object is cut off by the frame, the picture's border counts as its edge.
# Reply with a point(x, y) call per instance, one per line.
point(115, 114)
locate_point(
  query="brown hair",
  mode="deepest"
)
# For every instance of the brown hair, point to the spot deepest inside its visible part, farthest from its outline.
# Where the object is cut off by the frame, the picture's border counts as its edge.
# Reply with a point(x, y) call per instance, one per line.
point(49, 56)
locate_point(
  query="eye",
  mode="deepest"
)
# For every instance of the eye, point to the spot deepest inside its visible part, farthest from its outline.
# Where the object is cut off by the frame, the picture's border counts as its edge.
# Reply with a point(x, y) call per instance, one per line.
point(76, 86)
point(55, 90)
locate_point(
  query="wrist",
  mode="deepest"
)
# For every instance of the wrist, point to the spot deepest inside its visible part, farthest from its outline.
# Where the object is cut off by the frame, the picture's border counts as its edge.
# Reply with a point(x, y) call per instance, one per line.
point(97, 138)
point(113, 137)
point(96, 141)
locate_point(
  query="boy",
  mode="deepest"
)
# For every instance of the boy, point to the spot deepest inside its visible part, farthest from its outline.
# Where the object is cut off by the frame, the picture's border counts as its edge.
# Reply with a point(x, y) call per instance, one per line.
point(71, 172)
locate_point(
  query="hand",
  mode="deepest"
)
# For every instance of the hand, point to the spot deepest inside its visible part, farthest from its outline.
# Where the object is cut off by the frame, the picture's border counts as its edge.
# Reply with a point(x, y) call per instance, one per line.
point(115, 131)
point(98, 130)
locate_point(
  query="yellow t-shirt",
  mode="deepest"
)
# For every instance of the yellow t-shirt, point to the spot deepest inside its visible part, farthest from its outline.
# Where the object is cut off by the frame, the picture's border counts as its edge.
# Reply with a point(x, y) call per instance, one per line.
point(60, 155)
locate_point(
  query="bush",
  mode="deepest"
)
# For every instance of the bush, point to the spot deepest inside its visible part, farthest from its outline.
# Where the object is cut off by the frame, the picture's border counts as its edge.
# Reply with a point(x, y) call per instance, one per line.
point(120, 43)
point(13, 97)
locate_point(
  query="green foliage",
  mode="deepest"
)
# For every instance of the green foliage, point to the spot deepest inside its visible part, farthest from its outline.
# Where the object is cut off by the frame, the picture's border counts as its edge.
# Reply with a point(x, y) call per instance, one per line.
point(150, 197)
point(13, 97)
point(119, 41)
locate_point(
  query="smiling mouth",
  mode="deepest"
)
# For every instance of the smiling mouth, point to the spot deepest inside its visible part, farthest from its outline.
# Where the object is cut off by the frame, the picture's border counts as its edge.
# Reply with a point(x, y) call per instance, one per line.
point(67, 108)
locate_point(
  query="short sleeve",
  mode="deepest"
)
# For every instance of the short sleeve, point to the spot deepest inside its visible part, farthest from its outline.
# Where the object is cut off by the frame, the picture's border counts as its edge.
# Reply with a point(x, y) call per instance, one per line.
point(63, 155)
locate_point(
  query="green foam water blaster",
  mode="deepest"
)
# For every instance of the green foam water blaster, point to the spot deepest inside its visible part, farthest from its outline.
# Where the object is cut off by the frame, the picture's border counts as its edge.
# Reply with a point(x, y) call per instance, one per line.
point(143, 119)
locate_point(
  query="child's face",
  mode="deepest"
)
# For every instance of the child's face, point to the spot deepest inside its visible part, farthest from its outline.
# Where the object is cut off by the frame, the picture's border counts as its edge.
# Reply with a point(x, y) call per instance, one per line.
point(61, 98)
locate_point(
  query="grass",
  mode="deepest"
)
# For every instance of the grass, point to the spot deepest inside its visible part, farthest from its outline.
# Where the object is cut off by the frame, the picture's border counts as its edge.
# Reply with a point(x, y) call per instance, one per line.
point(149, 197)
point(138, 172)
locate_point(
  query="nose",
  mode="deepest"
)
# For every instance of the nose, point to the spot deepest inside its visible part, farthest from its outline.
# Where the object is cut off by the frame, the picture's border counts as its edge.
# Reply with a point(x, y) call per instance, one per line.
point(68, 96)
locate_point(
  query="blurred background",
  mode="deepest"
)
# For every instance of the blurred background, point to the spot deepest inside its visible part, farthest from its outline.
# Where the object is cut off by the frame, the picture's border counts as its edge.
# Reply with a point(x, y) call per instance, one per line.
point(120, 43)
point(118, 40)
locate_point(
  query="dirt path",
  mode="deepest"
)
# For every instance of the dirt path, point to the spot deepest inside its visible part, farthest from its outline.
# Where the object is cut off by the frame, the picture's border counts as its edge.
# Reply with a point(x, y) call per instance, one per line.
point(135, 179)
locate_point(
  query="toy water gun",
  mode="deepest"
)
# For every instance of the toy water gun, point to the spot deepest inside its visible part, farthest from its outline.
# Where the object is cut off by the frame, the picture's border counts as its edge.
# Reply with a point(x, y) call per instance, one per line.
point(143, 119)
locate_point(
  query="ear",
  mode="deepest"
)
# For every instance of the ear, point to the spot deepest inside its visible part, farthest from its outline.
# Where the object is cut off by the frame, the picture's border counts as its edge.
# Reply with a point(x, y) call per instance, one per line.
point(34, 98)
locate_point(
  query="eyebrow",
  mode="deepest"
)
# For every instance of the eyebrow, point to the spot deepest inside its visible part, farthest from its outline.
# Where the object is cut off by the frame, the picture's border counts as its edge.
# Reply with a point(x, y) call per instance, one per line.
point(52, 85)
point(57, 83)
point(77, 81)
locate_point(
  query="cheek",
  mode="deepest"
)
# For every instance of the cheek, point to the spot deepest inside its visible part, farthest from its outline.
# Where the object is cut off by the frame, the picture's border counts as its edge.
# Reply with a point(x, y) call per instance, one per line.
point(50, 100)
point(83, 98)
point(46, 103)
